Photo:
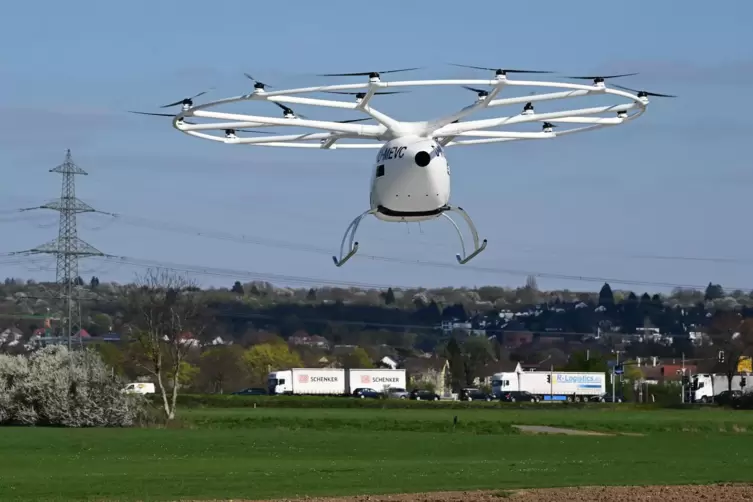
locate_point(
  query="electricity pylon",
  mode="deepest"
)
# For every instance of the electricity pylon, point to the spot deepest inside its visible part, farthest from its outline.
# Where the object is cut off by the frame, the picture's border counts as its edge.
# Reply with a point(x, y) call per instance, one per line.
point(68, 248)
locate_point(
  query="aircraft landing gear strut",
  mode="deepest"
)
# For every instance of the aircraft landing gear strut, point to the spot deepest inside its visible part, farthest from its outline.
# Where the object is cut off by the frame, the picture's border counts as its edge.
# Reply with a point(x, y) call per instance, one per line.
point(352, 246)
point(350, 236)
point(474, 235)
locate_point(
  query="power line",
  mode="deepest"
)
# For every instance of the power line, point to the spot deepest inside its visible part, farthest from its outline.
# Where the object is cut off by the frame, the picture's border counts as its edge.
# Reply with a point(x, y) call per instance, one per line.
point(262, 241)
point(297, 246)
point(313, 281)
point(246, 274)
point(245, 239)
point(214, 271)
point(236, 273)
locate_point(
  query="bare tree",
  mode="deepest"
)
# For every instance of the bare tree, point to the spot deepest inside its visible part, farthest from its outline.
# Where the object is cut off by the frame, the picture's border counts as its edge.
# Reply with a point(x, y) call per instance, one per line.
point(167, 315)
point(531, 283)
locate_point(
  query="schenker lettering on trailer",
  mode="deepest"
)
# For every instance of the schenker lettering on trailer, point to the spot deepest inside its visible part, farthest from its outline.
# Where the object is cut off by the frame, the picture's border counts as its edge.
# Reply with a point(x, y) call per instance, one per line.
point(324, 379)
point(385, 380)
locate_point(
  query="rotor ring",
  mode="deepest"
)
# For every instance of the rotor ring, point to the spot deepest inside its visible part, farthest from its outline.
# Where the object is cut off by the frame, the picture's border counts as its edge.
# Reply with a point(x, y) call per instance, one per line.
point(330, 132)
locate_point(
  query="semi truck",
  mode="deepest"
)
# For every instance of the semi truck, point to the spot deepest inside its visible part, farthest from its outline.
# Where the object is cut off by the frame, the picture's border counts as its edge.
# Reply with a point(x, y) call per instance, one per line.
point(551, 385)
point(334, 381)
point(705, 387)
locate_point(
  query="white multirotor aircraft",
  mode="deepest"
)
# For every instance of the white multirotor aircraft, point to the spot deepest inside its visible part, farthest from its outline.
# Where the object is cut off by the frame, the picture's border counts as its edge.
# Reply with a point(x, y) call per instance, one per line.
point(411, 175)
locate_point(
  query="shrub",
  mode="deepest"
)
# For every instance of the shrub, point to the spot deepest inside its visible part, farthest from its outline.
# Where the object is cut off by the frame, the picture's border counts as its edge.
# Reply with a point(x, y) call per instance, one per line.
point(72, 389)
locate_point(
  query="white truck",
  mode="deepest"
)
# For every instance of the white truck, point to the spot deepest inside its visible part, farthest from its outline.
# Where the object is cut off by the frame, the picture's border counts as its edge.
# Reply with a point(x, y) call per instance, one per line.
point(705, 387)
point(333, 381)
point(551, 385)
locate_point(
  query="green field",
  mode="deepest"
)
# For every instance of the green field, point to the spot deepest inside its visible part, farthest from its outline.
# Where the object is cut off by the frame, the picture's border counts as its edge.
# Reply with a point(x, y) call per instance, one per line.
point(477, 421)
point(268, 453)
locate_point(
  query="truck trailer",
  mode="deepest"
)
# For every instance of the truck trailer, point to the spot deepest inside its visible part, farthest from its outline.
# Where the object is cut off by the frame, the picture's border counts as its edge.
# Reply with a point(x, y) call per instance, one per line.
point(551, 385)
point(705, 387)
point(333, 381)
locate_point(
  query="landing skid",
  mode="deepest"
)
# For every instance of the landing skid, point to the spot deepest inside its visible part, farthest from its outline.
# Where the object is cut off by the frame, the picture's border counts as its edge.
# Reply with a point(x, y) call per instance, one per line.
point(350, 236)
point(463, 259)
point(353, 246)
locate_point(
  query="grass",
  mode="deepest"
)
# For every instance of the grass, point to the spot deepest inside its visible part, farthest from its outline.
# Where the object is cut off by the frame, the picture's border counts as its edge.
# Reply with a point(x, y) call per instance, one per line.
point(274, 452)
point(150, 464)
point(478, 421)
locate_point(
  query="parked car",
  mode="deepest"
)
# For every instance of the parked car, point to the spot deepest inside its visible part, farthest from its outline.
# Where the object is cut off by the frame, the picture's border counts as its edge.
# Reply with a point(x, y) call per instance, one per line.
point(365, 392)
point(251, 391)
point(728, 397)
point(518, 396)
point(424, 395)
point(607, 398)
point(473, 394)
point(397, 393)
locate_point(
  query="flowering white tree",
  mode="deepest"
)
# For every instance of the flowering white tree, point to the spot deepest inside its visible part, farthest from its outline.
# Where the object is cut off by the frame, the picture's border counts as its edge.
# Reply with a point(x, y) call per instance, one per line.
point(55, 387)
point(166, 309)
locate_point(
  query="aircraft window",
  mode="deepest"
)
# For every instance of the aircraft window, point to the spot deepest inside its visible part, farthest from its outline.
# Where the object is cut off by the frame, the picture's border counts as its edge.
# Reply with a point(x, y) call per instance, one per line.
point(380, 170)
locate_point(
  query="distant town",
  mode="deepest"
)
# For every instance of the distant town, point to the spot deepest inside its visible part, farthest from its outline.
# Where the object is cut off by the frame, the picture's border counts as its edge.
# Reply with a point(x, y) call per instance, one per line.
point(256, 326)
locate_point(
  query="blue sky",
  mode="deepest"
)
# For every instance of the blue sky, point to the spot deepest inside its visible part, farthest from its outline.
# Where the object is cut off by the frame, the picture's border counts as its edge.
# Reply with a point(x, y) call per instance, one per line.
point(676, 182)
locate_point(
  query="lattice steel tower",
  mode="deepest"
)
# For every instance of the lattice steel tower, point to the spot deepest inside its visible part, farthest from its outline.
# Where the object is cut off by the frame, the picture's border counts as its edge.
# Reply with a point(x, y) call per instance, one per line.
point(68, 248)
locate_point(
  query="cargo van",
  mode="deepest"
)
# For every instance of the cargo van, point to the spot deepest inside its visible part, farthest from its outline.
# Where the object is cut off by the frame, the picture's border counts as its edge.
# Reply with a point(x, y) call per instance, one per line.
point(139, 388)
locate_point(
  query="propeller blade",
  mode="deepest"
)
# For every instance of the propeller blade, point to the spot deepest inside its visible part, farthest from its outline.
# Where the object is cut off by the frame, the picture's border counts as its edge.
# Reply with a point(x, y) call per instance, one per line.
point(257, 81)
point(647, 93)
point(156, 114)
point(473, 89)
point(172, 104)
point(505, 70)
point(287, 109)
point(161, 115)
point(364, 73)
point(354, 120)
point(184, 100)
point(604, 77)
point(357, 93)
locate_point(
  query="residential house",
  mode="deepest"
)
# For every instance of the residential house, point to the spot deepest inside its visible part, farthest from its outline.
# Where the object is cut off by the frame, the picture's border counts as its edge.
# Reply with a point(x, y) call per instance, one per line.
point(188, 339)
point(550, 339)
point(448, 326)
point(433, 372)
point(666, 372)
point(387, 362)
point(11, 336)
point(515, 339)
